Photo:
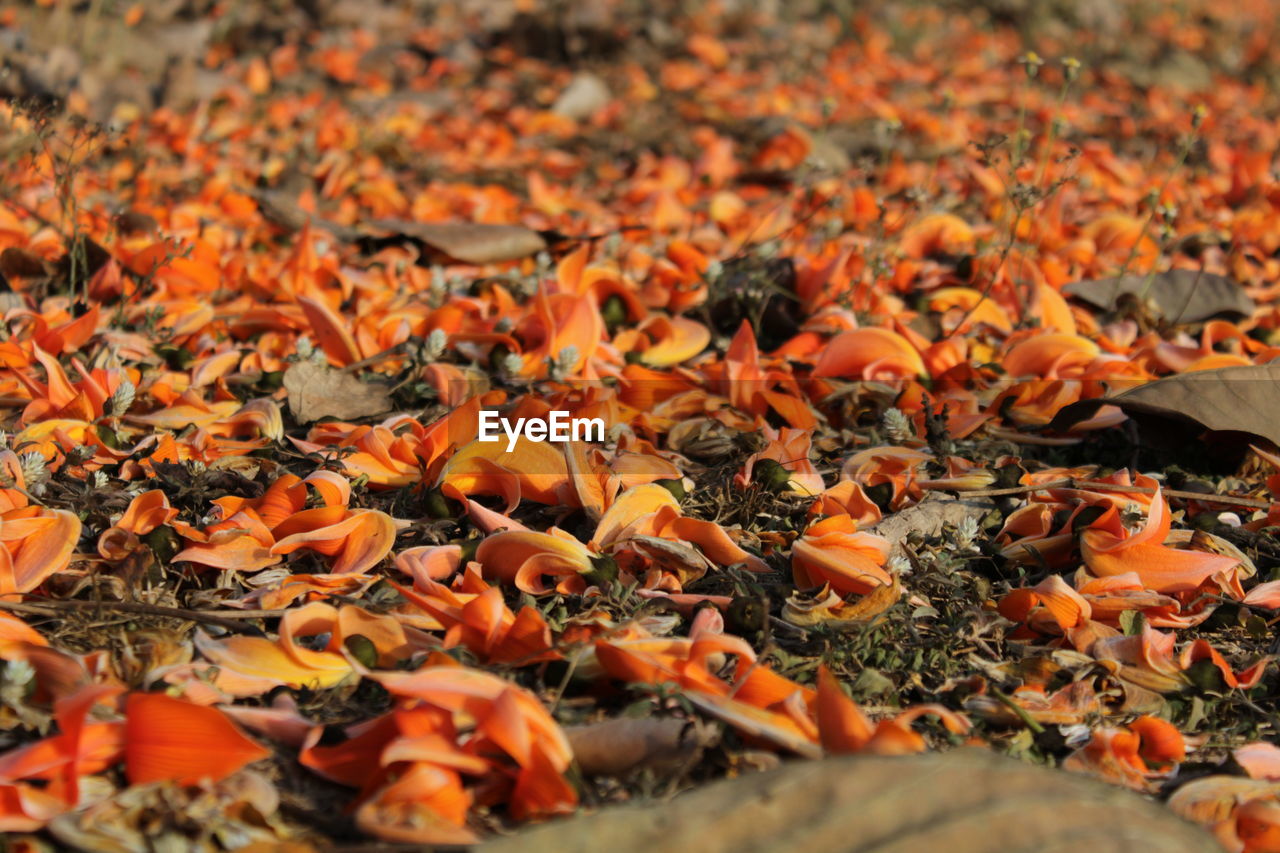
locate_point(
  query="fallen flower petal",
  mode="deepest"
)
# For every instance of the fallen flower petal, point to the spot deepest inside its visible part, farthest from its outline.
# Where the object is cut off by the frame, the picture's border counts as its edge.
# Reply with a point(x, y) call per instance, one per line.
point(168, 738)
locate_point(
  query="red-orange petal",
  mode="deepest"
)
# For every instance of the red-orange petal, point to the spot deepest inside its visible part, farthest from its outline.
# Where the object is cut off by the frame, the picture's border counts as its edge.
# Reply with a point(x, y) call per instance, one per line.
point(167, 738)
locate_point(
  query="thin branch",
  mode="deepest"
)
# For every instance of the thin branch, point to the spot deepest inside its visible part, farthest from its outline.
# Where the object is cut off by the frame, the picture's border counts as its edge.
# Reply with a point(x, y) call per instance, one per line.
point(226, 618)
point(1234, 500)
point(398, 349)
point(1021, 712)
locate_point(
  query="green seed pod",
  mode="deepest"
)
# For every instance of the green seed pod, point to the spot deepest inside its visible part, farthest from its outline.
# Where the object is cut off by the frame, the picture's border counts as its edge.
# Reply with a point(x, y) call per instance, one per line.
point(675, 487)
point(362, 649)
point(613, 312)
point(437, 505)
point(770, 474)
point(745, 616)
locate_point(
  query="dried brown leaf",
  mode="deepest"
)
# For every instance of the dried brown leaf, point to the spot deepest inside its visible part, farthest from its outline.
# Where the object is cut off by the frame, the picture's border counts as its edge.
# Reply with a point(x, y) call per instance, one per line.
point(620, 746)
point(22, 263)
point(466, 242)
point(1225, 400)
point(1179, 296)
point(318, 391)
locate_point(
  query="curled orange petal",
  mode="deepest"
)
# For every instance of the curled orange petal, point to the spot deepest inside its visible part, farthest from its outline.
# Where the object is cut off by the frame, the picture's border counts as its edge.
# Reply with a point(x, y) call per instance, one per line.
point(870, 353)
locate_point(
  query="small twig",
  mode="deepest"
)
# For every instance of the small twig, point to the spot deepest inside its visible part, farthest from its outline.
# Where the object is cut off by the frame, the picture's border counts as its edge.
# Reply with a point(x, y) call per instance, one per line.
point(222, 618)
point(1018, 710)
point(398, 349)
point(1236, 500)
point(1019, 490)
point(788, 628)
point(564, 681)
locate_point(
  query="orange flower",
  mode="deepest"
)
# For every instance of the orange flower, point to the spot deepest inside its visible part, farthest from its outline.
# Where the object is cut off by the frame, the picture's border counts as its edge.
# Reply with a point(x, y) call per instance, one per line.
point(832, 551)
point(248, 666)
point(643, 521)
point(35, 543)
point(146, 512)
point(843, 727)
point(789, 448)
point(1243, 814)
point(938, 233)
point(59, 398)
point(509, 720)
point(847, 498)
point(1065, 607)
point(755, 389)
point(894, 467)
point(1126, 756)
point(82, 748)
point(474, 615)
point(1109, 549)
point(358, 540)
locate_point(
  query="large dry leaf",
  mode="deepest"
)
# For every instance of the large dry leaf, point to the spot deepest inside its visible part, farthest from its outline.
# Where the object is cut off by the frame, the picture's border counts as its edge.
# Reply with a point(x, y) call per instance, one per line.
point(1180, 296)
point(969, 801)
point(281, 208)
point(464, 242)
point(318, 391)
point(623, 745)
point(1241, 399)
point(440, 242)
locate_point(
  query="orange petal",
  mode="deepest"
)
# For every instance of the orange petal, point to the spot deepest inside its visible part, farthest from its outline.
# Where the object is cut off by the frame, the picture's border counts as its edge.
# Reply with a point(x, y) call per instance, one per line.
point(842, 727)
point(831, 551)
point(1265, 595)
point(471, 692)
point(426, 806)
point(26, 808)
point(430, 563)
point(1109, 550)
point(1161, 742)
point(869, 354)
point(713, 541)
point(678, 339)
point(522, 557)
point(360, 541)
point(259, 658)
point(240, 553)
point(937, 233)
point(1047, 356)
point(629, 507)
point(330, 331)
point(1261, 760)
point(168, 738)
point(35, 546)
